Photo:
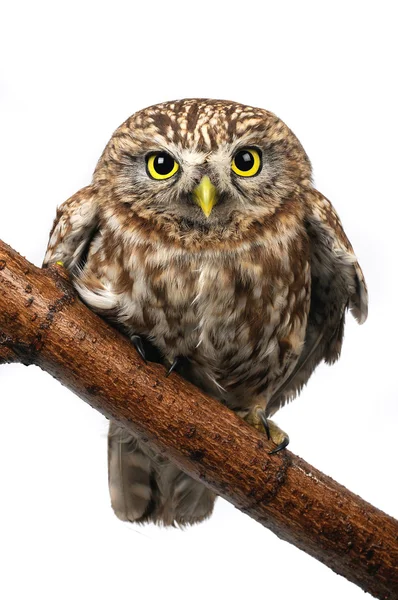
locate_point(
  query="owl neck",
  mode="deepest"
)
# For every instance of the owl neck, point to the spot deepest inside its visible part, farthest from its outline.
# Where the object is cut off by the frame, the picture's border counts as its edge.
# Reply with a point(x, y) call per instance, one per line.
point(245, 231)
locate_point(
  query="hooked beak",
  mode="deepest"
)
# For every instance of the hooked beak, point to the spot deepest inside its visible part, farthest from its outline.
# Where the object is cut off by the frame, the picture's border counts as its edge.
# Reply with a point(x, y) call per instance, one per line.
point(205, 195)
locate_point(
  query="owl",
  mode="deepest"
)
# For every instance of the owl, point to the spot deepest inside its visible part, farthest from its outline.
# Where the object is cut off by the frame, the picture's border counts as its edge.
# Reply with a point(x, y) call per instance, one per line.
point(203, 238)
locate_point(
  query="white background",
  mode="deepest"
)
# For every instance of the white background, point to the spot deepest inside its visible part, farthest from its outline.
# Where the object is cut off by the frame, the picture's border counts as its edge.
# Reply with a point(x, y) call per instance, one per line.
point(70, 73)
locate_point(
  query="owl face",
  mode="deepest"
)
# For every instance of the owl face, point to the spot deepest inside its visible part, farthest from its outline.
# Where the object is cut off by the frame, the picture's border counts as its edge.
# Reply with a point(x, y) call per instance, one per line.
point(200, 165)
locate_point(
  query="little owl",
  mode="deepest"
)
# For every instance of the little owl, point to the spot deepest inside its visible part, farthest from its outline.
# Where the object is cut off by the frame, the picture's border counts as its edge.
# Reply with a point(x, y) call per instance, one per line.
point(203, 238)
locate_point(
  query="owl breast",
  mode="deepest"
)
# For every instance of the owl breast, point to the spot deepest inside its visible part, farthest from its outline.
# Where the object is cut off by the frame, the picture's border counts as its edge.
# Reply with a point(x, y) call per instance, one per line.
point(238, 318)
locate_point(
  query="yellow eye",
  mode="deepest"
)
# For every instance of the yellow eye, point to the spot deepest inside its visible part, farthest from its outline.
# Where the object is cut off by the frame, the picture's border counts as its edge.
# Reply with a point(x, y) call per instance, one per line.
point(161, 165)
point(246, 162)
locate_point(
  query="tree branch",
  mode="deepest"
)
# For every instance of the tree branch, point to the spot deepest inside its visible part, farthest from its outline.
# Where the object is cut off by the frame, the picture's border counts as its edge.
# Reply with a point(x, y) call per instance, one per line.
point(42, 322)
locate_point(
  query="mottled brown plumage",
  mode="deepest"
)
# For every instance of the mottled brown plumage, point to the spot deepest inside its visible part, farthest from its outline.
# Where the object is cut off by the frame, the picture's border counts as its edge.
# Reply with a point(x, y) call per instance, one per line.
point(250, 298)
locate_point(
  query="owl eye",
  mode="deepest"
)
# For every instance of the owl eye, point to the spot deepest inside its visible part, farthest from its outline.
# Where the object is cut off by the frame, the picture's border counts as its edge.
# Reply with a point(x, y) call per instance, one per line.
point(246, 162)
point(161, 165)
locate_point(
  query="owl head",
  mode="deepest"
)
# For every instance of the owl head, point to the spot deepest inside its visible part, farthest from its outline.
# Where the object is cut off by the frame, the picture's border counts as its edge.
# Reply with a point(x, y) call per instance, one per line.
point(194, 167)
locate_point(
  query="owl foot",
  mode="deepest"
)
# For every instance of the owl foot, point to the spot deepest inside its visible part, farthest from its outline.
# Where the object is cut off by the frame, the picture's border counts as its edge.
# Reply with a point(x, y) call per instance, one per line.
point(275, 433)
point(139, 346)
point(256, 418)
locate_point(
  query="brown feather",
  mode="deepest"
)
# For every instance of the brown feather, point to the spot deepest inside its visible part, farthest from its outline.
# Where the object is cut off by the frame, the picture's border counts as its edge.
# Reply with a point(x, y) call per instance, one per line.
point(253, 297)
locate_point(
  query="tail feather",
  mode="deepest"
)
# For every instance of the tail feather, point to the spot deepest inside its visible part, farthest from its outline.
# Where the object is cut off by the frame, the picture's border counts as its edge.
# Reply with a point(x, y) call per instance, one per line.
point(186, 501)
point(129, 475)
point(145, 487)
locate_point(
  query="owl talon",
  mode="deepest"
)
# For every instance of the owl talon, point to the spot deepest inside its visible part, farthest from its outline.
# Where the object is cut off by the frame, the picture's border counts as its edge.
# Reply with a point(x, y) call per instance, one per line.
point(265, 423)
point(279, 437)
point(174, 365)
point(178, 363)
point(281, 446)
point(256, 418)
point(137, 341)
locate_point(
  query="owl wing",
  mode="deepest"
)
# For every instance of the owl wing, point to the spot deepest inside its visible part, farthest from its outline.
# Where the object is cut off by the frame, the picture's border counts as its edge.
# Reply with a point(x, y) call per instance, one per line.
point(337, 284)
point(74, 227)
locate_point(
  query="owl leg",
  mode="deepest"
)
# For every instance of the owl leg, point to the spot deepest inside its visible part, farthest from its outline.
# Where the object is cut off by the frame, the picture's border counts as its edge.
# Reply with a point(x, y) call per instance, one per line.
point(256, 418)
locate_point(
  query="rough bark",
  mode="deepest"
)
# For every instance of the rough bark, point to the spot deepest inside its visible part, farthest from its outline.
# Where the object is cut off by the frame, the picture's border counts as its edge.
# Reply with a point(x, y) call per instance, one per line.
point(42, 322)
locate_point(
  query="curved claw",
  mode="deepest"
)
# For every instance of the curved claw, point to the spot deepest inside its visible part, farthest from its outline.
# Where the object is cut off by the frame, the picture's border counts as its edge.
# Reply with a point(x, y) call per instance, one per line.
point(175, 364)
point(257, 418)
point(274, 433)
point(264, 421)
point(280, 446)
point(137, 341)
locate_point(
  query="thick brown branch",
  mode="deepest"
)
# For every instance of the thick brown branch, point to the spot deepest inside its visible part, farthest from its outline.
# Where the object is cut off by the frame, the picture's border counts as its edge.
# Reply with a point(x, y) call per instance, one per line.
point(43, 323)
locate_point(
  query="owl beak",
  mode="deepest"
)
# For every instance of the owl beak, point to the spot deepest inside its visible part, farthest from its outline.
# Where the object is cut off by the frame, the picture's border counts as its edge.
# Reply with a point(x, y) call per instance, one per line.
point(205, 195)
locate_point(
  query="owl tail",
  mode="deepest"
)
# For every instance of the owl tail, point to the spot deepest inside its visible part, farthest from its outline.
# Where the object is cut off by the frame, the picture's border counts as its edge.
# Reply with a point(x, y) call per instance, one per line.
point(129, 471)
point(145, 487)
